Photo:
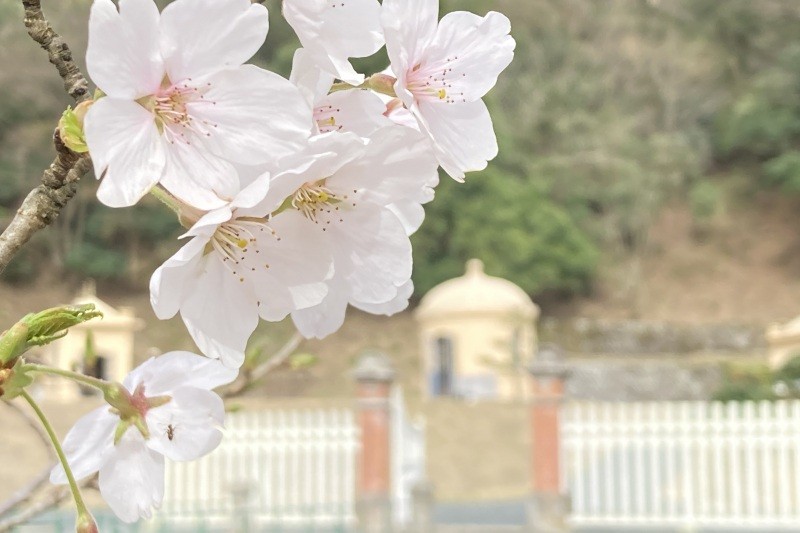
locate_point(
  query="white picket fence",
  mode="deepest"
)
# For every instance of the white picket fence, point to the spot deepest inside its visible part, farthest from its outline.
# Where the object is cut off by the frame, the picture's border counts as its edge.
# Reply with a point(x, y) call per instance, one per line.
point(407, 458)
point(686, 464)
point(293, 466)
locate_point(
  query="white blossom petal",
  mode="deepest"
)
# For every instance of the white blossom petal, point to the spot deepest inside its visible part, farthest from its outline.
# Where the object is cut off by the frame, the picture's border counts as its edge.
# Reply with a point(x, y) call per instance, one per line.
point(355, 111)
point(127, 150)
point(398, 165)
point(220, 312)
point(325, 318)
point(258, 116)
point(198, 177)
point(313, 82)
point(187, 427)
point(172, 370)
point(395, 305)
point(168, 285)
point(132, 479)
point(475, 50)
point(122, 57)
point(409, 26)
point(335, 31)
point(463, 135)
point(203, 36)
point(87, 445)
point(299, 263)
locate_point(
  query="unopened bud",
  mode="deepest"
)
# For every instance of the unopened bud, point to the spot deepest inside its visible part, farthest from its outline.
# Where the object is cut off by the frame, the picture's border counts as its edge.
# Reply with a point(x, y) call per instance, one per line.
point(70, 127)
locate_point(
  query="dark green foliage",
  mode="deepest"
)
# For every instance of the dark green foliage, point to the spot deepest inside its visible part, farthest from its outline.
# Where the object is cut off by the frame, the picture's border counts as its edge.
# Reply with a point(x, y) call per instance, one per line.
point(91, 260)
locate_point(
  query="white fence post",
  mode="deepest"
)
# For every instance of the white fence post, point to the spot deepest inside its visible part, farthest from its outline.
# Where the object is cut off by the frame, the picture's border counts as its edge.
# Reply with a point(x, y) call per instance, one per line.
point(684, 464)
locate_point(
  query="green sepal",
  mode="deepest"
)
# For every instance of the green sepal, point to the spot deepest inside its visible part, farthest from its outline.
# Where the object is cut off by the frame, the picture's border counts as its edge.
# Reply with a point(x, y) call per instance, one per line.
point(14, 380)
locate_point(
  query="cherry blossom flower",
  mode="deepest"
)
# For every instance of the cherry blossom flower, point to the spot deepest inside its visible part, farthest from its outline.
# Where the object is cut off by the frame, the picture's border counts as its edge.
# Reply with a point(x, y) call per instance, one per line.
point(180, 106)
point(241, 263)
point(354, 110)
point(348, 199)
point(167, 409)
point(443, 71)
point(334, 30)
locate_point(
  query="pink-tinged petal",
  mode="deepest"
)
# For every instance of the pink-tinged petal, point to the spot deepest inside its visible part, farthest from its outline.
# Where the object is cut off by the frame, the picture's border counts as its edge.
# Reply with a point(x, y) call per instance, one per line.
point(398, 165)
point(87, 445)
point(291, 268)
point(312, 81)
point(132, 479)
point(172, 280)
point(395, 305)
point(335, 31)
point(199, 37)
point(160, 375)
point(355, 111)
point(409, 26)
point(326, 318)
point(187, 427)
point(473, 49)
point(198, 177)
point(257, 116)
point(127, 150)
point(463, 135)
point(122, 57)
point(221, 312)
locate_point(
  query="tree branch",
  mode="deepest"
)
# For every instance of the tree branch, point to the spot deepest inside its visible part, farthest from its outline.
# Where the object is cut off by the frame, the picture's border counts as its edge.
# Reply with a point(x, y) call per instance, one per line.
point(43, 204)
point(250, 377)
point(51, 500)
point(59, 53)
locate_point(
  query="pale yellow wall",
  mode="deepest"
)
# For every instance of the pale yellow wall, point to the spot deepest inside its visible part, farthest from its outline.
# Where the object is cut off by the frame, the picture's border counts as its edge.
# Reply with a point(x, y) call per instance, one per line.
point(481, 345)
point(114, 343)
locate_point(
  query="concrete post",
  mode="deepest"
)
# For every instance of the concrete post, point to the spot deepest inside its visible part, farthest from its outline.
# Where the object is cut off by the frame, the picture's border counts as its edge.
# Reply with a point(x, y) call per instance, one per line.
point(374, 376)
point(423, 505)
point(549, 506)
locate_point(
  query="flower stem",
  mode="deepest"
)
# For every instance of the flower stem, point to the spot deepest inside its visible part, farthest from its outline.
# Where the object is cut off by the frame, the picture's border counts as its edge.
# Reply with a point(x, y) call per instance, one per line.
point(167, 199)
point(380, 83)
point(74, 376)
point(73, 485)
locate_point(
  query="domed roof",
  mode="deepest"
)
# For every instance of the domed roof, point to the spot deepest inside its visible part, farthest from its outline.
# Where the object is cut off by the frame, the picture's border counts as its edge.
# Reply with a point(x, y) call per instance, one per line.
point(476, 293)
point(112, 318)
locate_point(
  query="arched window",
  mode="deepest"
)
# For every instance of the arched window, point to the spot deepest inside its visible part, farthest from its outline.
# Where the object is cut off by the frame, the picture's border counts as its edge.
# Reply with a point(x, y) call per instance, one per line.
point(443, 367)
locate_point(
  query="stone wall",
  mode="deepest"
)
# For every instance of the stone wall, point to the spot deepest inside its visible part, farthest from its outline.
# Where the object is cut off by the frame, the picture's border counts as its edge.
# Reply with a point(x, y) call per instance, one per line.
point(634, 337)
point(644, 379)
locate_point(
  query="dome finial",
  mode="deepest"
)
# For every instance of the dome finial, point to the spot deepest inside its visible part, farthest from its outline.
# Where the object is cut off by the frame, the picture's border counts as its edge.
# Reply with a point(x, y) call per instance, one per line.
point(475, 267)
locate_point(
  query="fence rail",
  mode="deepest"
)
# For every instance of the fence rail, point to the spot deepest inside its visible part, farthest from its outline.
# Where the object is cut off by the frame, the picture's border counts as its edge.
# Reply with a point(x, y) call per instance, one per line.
point(683, 463)
point(286, 467)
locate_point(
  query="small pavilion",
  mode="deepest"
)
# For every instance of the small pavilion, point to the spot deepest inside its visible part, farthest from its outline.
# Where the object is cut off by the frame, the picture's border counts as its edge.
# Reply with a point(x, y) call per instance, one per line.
point(102, 348)
point(478, 334)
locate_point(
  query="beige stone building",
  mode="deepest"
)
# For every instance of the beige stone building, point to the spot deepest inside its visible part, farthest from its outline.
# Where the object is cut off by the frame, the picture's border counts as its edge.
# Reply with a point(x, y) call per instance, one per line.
point(478, 332)
point(784, 342)
point(109, 338)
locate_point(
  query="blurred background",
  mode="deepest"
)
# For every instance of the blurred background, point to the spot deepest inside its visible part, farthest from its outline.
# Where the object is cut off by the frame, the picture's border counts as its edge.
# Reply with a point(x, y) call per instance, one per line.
point(643, 212)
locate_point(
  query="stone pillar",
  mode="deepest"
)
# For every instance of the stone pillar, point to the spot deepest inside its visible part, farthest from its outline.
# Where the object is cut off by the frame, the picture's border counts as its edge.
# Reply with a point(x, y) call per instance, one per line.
point(374, 376)
point(549, 506)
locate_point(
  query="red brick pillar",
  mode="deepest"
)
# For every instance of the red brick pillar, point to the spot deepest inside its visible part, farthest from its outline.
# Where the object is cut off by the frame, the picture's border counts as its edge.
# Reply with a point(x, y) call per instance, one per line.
point(374, 376)
point(549, 505)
